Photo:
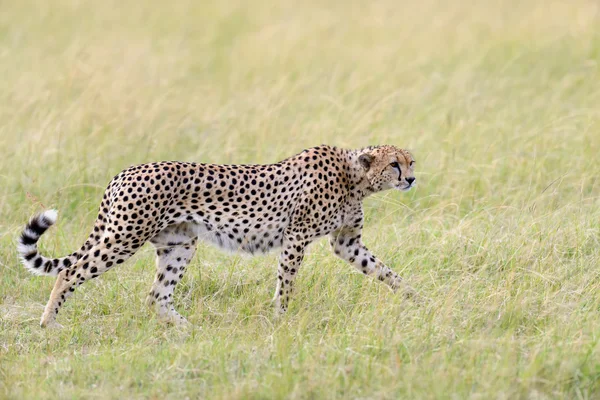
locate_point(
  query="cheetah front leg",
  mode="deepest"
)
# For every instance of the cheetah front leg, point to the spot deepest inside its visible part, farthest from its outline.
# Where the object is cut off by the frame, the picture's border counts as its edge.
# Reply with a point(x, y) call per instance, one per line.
point(347, 245)
point(289, 263)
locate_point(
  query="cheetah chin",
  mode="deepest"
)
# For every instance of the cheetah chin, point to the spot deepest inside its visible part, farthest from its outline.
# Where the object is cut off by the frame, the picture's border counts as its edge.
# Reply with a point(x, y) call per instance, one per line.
point(249, 208)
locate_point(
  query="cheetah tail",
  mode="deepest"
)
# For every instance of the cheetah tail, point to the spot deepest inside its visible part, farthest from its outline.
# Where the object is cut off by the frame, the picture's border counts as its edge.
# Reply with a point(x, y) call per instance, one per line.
point(28, 251)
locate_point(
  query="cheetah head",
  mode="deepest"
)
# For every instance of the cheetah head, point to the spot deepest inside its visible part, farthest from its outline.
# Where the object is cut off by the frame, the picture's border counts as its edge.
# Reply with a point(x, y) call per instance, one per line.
point(388, 167)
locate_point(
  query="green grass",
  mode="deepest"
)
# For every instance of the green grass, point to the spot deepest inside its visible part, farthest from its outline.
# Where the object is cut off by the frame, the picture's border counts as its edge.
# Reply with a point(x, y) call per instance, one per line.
point(498, 100)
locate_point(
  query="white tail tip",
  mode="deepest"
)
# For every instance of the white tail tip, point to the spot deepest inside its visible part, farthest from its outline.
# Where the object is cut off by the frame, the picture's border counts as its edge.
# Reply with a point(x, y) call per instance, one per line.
point(50, 215)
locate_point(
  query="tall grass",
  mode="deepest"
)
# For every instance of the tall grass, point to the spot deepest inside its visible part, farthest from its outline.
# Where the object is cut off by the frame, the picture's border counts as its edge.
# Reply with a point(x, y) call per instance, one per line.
point(498, 100)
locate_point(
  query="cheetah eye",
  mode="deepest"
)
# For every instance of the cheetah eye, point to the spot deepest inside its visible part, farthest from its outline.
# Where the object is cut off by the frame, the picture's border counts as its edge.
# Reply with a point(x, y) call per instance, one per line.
point(412, 163)
point(395, 165)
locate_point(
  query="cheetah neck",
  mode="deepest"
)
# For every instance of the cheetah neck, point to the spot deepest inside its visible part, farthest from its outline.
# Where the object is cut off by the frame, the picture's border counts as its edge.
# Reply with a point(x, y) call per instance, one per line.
point(358, 182)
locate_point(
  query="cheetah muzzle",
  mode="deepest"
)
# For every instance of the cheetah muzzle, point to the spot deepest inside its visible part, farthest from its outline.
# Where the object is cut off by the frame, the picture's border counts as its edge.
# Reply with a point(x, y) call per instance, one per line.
point(248, 208)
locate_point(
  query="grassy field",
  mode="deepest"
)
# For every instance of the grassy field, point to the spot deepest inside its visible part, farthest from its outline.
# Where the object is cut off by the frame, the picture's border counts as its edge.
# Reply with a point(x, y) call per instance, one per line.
point(499, 102)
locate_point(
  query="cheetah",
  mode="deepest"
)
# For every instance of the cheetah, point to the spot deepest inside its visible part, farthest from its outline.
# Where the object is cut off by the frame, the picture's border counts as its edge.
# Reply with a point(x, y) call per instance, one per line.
point(248, 208)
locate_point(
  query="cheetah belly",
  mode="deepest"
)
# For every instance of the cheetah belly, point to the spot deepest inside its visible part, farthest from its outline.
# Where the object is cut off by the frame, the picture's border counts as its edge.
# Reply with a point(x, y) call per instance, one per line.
point(240, 239)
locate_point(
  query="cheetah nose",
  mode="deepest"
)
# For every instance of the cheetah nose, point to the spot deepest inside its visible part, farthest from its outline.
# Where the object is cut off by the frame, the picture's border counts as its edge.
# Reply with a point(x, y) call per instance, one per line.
point(410, 180)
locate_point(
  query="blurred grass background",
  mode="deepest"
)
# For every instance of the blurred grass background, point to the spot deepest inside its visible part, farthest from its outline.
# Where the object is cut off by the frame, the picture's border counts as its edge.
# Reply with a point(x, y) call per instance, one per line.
point(499, 102)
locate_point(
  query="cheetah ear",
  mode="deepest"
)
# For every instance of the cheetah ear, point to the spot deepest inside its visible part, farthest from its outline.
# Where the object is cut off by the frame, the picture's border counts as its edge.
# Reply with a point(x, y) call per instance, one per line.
point(365, 160)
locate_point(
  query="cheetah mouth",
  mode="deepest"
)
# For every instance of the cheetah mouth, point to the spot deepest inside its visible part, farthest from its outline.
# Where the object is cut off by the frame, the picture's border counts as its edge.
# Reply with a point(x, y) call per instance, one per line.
point(405, 188)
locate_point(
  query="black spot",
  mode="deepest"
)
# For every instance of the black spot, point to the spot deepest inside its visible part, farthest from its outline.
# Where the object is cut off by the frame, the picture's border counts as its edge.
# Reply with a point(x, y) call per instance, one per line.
point(48, 266)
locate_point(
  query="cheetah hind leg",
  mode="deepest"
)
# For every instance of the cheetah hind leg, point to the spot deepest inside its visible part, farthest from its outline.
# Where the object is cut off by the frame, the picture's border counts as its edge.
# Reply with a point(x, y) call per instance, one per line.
point(174, 250)
point(99, 259)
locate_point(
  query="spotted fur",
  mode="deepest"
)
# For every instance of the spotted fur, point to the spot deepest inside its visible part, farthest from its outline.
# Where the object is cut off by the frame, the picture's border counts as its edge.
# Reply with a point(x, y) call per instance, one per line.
point(248, 208)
